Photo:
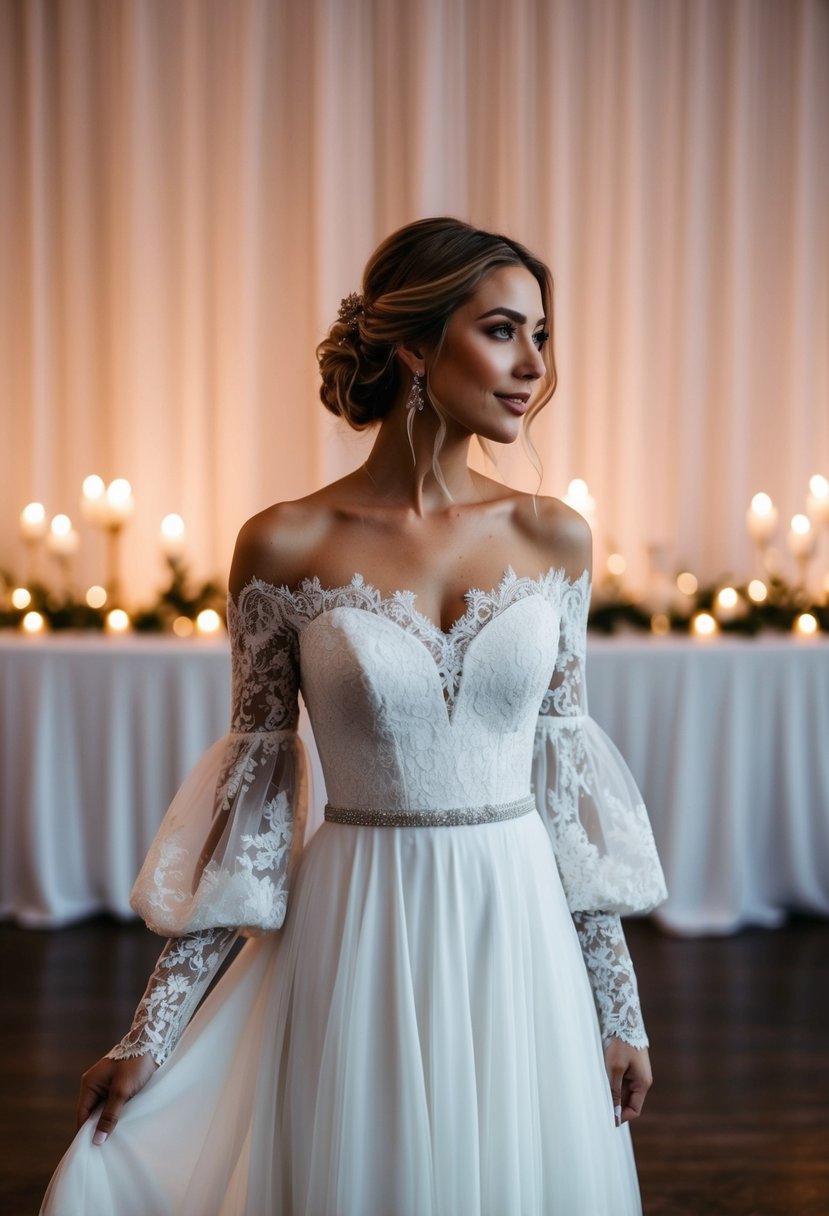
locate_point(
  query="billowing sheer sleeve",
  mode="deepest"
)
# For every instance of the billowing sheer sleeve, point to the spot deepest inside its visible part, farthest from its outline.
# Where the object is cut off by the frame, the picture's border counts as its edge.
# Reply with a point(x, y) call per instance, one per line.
point(222, 858)
point(593, 811)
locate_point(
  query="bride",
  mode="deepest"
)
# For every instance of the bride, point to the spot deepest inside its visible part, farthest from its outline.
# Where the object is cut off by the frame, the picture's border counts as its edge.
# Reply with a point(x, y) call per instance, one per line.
point(436, 1012)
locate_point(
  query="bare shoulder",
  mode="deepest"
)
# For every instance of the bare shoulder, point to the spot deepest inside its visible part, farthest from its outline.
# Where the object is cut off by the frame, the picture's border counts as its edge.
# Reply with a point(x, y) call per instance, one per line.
point(274, 545)
point(561, 534)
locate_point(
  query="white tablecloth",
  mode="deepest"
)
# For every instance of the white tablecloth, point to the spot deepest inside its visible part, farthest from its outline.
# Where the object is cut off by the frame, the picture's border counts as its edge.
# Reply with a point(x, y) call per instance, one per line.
point(729, 742)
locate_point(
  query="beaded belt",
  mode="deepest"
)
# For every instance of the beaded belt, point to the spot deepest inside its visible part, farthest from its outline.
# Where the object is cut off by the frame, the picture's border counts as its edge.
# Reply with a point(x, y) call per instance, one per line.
point(368, 817)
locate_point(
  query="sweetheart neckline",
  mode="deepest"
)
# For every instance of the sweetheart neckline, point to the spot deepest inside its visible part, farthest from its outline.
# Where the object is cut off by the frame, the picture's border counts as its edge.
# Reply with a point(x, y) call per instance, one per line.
point(406, 598)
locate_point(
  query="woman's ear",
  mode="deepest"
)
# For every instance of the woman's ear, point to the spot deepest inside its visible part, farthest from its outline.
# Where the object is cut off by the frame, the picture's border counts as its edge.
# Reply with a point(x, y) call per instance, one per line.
point(412, 359)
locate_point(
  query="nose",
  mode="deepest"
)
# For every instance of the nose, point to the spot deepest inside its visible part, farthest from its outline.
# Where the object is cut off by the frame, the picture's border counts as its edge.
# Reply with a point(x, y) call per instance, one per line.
point(531, 363)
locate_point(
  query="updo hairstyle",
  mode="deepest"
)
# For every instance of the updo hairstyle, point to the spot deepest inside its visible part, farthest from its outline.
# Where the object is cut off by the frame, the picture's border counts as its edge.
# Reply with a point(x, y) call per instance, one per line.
point(412, 284)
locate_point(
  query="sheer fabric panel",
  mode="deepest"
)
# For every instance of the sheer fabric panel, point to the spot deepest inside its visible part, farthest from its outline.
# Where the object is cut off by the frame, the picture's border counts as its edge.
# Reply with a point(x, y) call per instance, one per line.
point(190, 188)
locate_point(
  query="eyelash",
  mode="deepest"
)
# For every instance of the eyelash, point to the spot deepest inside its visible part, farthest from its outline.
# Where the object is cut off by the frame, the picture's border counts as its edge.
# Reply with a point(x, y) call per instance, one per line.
point(540, 337)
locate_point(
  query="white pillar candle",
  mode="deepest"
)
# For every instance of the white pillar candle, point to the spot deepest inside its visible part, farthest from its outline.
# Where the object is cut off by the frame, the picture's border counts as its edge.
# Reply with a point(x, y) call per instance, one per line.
point(173, 535)
point(120, 503)
point(817, 503)
point(801, 539)
point(761, 519)
point(33, 525)
point(62, 540)
point(93, 499)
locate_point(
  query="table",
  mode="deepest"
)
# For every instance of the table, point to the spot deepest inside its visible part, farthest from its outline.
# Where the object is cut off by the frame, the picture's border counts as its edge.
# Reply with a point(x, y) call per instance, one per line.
point(728, 740)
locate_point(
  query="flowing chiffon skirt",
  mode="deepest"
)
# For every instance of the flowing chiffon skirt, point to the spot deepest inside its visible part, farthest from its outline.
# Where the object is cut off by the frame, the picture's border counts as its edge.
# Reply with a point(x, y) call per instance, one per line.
point(418, 1040)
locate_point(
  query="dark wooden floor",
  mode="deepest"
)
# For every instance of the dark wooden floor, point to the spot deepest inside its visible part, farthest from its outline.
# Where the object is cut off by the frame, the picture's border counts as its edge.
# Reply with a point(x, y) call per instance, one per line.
point(737, 1122)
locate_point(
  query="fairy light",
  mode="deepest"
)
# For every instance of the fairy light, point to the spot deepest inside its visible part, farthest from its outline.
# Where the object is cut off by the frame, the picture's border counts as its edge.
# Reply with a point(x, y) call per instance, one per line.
point(183, 627)
point(33, 622)
point(96, 596)
point(758, 591)
point(21, 598)
point(687, 583)
point(118, 621)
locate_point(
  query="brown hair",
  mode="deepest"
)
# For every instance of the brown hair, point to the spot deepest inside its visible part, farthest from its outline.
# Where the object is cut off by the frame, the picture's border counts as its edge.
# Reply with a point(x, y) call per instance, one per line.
point(412, 284)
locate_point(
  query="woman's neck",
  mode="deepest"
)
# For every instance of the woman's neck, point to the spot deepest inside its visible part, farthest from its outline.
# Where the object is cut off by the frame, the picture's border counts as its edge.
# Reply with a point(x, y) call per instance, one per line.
point(407, 478)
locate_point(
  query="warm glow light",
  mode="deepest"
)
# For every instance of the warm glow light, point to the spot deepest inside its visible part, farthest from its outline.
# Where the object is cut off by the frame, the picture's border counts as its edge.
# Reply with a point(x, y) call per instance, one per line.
point(761, 504)
point(61, 525)
point(183, 627)
point(704, 625)
point(208, 621)
point(727, 598)
point(801, 524)
point(687, 582)
point(96, 596)
point(577, 488)
point(819, 486)
point(616, 564)
point(33, 622)
point(118, 621)
point(21, 598)
point(660, 624)
point(758, 591)
point(33, 521)
point(93, 487)
point(172, 526)
point(119, 491)
point(806, 624)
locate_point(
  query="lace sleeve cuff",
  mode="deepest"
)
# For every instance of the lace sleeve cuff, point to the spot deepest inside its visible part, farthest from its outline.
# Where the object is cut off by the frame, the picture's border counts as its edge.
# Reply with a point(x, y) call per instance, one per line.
point(612, 978)
point(181, 977)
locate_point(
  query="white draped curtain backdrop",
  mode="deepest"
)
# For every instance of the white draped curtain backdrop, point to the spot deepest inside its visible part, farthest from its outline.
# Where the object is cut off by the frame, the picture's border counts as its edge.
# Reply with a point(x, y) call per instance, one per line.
point(188, 187)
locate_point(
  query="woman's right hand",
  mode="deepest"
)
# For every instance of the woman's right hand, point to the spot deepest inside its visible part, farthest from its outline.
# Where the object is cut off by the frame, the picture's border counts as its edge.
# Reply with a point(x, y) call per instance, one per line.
point(112, 1082)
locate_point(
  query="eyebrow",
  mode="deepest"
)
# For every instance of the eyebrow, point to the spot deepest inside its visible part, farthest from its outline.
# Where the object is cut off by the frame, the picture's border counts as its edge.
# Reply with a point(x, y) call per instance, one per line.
point(517, 317)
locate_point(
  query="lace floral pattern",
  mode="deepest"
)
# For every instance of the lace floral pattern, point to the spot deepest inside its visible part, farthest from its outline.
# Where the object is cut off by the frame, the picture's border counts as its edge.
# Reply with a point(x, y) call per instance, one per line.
point(585, 792)
point(405, 714)
point(611, 977)
point(448, 648)
point(181, 977)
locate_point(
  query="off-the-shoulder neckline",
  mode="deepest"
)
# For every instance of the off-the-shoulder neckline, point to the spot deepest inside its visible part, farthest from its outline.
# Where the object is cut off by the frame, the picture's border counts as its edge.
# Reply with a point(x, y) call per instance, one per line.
point(312, 586)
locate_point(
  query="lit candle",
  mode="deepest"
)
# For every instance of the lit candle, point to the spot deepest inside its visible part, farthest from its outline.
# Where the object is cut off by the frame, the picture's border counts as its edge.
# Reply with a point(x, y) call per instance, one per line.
point(93, 499)
point(801, 539)
point(806, 625)
point(208, 623)
point(62, 540)
point(761, 519)
point(120, 503)
point(704, 625)
point(580, 499)
point(817, 503)
point(117, 621)
point(33, 622)
point(729, 604)
point(183, 627)
point(173, 535)
point(33, 526)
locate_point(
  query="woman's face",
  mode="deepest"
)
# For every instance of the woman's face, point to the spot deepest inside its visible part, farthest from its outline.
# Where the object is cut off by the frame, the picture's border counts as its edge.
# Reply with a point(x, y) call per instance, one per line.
point(490, 362)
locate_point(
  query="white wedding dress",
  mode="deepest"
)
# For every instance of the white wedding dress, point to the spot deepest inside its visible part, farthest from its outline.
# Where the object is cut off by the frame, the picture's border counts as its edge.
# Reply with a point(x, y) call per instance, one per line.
point(414, 1032)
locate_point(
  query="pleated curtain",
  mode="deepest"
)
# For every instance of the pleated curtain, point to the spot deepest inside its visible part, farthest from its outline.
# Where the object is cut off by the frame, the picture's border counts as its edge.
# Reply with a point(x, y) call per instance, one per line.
point(188, 187)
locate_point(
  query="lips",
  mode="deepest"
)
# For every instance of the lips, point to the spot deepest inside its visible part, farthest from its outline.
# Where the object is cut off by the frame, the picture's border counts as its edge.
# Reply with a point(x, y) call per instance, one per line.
point(516, 402)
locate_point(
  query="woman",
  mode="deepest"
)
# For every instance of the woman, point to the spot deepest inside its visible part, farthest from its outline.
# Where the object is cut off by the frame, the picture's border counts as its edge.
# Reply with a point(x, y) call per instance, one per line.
point(447, 1021)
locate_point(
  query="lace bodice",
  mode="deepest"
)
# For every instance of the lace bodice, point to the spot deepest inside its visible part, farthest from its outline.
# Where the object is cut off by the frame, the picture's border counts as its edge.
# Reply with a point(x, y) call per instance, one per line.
point(406, 716)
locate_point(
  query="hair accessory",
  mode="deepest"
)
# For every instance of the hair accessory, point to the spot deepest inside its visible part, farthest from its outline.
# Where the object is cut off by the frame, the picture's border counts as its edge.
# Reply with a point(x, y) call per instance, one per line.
point(416, 398)
point(351, 309)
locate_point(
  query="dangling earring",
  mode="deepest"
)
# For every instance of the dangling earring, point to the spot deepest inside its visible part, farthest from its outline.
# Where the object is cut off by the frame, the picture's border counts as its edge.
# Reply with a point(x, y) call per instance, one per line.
point(416, 398)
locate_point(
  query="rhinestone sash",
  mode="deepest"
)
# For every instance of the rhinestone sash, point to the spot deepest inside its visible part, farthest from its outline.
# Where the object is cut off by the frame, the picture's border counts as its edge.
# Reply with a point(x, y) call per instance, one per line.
point(370, 817)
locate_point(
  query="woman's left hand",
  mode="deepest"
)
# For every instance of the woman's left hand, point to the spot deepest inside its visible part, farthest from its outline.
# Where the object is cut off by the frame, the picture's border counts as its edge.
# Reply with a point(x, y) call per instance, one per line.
point(630, 1076)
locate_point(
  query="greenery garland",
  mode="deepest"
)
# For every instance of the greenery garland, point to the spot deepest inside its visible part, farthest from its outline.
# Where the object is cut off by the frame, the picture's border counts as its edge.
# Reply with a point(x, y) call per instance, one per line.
point(612, 608)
